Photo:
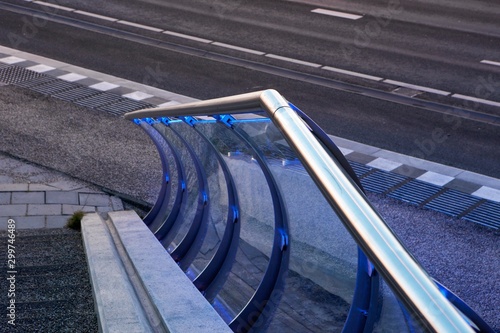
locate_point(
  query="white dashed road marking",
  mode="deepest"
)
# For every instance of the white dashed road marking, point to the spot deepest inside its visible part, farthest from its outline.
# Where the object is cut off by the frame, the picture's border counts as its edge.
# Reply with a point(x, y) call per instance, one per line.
point(336, 14)
point(489, 62)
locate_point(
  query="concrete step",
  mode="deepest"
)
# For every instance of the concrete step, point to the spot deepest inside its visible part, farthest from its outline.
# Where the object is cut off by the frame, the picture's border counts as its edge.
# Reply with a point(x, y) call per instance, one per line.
point(137, 286)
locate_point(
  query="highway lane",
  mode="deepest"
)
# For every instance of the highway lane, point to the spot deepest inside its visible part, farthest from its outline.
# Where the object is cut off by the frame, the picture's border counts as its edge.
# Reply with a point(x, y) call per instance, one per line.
point(398, 40)
point(409, 130)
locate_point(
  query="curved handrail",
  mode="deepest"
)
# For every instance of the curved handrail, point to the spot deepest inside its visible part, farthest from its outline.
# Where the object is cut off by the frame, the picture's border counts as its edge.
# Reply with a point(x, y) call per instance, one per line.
point(399, 269)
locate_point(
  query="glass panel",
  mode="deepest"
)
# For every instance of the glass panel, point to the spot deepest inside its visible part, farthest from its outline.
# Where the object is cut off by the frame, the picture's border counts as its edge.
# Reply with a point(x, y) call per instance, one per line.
point(256, 220)
point(323, 260)
point(188, 208)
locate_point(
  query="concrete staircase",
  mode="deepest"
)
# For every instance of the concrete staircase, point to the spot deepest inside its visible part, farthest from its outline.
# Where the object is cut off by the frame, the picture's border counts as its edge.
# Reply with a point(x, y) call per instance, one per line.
point(52, 287)
point(137, 286)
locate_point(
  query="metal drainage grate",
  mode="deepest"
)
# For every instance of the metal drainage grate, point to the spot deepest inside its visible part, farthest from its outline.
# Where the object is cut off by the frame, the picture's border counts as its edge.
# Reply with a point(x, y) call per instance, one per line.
point(77, 93)
point(381, 181)
point(101, 100)
point(14, 74)
point(452, 203)
point(54, 87)
point(415, 192)
point(360, 169)
point(487, 214)
point(124, 105)
point(43, 79)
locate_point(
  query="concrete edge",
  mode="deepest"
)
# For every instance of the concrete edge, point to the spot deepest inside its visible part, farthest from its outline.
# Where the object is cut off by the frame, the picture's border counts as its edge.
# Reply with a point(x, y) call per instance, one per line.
point(117, 307)
point(181, 306)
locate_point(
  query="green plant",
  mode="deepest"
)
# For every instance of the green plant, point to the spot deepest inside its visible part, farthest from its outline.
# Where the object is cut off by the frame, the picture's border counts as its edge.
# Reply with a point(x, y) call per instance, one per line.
point(75, 221)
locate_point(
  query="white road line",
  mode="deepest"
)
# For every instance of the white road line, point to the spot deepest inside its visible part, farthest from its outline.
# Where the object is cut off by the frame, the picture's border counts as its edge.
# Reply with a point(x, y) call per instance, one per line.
point(336, 14)
point(197, 39)
point(242, 49)
point(475, 99)
point(68, 9)
point(489, 62)
point(137, 25)
point(102, 17)
point(296, 61)
point(343, 71)
point(413, 86)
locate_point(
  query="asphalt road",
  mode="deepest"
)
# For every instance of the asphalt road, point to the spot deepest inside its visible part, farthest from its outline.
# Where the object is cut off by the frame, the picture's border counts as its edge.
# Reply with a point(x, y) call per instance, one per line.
point(431, 45)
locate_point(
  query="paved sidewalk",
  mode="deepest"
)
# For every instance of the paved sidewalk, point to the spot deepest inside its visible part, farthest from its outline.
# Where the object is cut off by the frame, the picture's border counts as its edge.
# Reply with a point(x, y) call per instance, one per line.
point(36, 197)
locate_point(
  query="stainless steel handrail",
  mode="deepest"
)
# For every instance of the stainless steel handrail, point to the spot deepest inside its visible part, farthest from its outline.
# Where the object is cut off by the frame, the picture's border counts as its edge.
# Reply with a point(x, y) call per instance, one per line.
point(403, 274)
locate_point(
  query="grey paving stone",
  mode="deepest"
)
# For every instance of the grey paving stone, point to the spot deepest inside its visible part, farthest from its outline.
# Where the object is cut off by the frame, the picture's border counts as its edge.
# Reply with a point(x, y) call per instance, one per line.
point(28, 197)
point(56, 72)
point(94, 199)
point(409, 171)
point(62, 197)
point(30, 222)
point(155, 100)
point(116, 203)
point(70, 209)
point(104, 209)
point(360, 158)
point(56, 221)
point(121, 90)
point(13, 210)
point(37, 209)
point(4, 198)
point(463, 186)
point(13, 187)
point(88, 81)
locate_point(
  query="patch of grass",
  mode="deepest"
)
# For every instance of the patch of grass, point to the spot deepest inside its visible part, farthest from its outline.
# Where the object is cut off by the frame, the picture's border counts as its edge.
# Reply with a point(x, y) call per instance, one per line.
point(75, 221)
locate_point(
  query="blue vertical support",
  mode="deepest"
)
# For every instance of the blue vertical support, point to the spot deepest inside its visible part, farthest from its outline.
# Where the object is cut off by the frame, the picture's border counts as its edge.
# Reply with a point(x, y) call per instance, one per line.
point(185, 252)
point(215, 274)
point(258, 313)
point(159, 208)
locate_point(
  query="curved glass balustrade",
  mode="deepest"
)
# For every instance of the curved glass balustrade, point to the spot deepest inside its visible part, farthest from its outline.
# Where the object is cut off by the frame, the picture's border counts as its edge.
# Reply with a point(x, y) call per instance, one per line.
point(256, 209)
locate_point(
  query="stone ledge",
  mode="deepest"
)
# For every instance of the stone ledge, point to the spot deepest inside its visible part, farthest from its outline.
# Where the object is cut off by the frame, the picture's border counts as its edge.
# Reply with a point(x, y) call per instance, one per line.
point(117, 306)
point(182, 308)
point(144, 273)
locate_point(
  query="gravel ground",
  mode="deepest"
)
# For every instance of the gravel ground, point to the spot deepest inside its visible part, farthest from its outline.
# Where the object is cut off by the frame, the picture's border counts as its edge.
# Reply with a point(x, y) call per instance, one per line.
point(92, 146)
point(461, 255)
point(116, 154)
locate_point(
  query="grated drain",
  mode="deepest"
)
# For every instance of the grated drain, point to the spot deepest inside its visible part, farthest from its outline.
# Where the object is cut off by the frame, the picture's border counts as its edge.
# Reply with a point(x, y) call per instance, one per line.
point(30, 84)
point(124, 105)
point(452, 202)
point(79, 92)
point(15, 74)
point(381, 181)
point(100, 100)
point(360, 169)
point(487, 214)
point(415, 192)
